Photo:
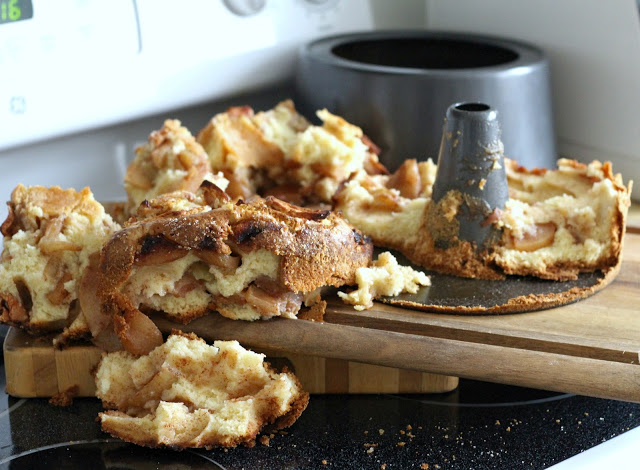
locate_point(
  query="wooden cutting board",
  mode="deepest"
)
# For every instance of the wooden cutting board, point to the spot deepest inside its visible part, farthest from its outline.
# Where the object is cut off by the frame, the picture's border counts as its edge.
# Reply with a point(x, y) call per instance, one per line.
point(590, 347)
point(34, 368)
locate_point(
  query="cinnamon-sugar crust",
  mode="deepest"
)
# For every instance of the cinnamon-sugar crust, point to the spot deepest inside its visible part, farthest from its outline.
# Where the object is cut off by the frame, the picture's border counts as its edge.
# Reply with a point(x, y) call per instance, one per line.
point(312, 249)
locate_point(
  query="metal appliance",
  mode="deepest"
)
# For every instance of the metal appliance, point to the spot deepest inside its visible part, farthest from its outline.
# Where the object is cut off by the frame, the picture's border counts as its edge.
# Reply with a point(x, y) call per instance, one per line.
point(82, 82)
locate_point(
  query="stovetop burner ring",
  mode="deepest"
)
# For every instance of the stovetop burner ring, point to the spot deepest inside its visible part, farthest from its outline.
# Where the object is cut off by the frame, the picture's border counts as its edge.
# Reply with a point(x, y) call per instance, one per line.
point(107, 453)
point(485, 405)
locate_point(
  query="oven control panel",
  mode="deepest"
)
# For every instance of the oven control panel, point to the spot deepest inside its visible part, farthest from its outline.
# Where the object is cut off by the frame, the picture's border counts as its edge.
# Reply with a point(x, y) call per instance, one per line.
point(72, 65)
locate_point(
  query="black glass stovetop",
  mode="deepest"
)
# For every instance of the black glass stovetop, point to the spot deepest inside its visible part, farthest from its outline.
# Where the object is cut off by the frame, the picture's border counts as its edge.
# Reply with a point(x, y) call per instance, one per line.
point(477, 426)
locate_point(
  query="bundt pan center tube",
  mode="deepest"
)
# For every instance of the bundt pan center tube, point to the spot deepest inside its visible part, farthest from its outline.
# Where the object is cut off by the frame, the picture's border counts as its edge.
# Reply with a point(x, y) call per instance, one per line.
point(470, 164)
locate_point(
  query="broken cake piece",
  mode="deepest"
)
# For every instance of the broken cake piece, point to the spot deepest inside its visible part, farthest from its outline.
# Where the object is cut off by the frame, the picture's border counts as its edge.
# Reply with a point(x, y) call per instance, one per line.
point(186, 254)
point(556, 223)
point(385, 277)
point(278, 152)
point(49, 237)
point(186, 394)
point(171, 160)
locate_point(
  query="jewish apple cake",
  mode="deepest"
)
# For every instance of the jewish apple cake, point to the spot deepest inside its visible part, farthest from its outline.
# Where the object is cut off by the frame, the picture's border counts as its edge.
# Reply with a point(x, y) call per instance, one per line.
point(186, 394)
point(171, 160)
point(279, 153)
point(49, 237)
point(555, 224)
point(185, 253)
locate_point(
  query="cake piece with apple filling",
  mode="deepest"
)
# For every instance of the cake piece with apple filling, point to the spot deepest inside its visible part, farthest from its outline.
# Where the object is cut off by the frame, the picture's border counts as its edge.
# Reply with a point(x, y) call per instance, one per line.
point(188, 394)
point(555, 224)
point(185, 253)
point(50, 235)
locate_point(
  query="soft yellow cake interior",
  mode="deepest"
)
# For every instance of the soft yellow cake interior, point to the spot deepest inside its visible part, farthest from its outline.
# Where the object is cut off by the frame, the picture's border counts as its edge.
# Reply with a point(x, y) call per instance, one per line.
point(385, 277)
point(54, 231)
point(186, 393)
point(555, 224)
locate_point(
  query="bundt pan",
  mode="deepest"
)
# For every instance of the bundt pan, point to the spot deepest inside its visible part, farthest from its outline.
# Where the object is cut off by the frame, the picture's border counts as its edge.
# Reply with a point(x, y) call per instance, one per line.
point(397, 86)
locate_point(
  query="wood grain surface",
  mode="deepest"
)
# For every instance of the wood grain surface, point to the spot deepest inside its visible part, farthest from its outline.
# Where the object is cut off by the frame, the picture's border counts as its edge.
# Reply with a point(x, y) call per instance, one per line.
point(34, 368)
point(589, 347)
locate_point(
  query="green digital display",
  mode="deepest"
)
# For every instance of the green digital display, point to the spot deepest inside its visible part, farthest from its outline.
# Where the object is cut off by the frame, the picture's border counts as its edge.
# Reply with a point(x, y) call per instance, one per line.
point(15, 10)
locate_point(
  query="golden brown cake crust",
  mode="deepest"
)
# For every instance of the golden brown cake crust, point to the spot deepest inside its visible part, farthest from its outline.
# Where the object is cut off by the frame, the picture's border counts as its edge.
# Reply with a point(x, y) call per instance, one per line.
point(460, 259)
point(556, 223)
point(316, 247)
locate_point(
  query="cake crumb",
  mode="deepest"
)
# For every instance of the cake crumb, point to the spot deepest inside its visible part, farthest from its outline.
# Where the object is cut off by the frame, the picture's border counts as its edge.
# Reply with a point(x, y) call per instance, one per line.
point(385, 277)
point(402, 444)
point(314, 313)
point(383, 466)
point(424, 466)
point(265, 440)
point(381, 431)
point(370, 450)
point(324, 462)
point(65, 398)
